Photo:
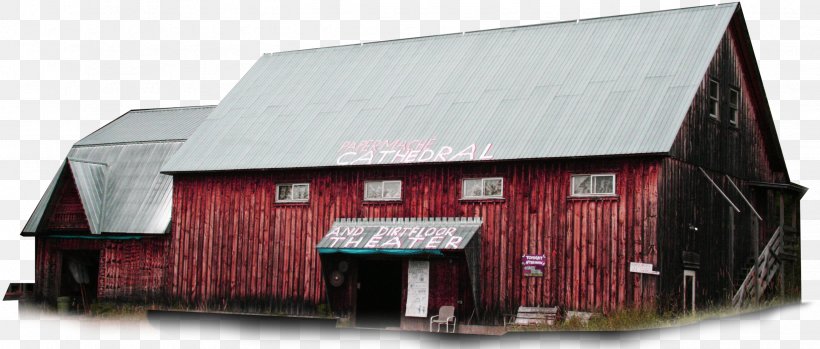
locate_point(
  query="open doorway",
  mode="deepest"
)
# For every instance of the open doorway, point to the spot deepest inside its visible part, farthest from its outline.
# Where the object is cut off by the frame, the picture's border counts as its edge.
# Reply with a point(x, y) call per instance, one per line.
point(689, 284)
point(78, 281)
point(378, 298)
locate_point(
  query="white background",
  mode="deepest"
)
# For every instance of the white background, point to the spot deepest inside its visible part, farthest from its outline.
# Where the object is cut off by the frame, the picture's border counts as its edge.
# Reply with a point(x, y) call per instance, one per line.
point(68, 67)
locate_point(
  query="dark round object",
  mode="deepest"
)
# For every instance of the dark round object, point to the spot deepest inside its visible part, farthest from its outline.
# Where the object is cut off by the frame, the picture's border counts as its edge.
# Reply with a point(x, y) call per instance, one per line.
point(343, 266)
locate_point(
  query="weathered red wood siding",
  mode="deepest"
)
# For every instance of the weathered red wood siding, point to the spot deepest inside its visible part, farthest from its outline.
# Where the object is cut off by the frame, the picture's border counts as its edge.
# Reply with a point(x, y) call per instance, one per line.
point(689, 199)
point(232, 243)
point(449, 284)
point(748, 152)
point(66, 211)
point(133, 269)
point(130, 270)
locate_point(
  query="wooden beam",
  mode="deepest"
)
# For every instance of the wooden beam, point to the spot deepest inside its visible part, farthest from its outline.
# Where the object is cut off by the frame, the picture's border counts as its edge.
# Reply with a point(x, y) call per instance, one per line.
point(744, 198)
point(718, 189)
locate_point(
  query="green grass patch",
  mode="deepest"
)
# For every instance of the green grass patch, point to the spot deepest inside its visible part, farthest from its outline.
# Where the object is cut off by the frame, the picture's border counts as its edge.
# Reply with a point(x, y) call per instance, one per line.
point(118, 310)
point(640, 319)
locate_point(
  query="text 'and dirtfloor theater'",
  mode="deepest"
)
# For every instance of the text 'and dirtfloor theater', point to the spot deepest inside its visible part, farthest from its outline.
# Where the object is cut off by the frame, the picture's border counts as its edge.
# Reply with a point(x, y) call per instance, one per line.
point(589, 166)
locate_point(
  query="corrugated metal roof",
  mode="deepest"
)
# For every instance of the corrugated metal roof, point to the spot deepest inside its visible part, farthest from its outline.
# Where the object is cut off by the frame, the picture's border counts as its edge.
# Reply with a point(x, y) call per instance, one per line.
point(129, 192)
point(149, 125)
point(117, 171)
point(607, 86)
point(120, 186)
point(89, 178)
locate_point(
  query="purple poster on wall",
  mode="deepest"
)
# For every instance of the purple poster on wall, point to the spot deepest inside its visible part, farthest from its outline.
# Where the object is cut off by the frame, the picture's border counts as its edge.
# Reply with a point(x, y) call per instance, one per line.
point(533, 264)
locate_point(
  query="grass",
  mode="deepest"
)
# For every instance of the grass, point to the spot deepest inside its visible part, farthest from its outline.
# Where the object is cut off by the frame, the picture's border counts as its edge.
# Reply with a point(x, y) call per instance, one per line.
point(640, 319)
point(120, 311)
point(624, 320)
point(628, 319)
point(137, 311)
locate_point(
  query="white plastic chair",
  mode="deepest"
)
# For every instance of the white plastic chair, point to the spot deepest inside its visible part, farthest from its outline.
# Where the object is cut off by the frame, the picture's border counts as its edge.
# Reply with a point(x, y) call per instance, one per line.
point(446, 316)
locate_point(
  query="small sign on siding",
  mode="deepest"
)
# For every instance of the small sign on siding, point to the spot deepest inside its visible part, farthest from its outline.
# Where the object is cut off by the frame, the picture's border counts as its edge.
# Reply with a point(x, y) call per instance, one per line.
point(418, 288)
point(642, 268)
point(533, 264)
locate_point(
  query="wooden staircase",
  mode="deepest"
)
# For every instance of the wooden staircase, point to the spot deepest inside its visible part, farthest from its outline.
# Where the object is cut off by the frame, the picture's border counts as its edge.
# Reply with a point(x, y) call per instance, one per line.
point(762, 273)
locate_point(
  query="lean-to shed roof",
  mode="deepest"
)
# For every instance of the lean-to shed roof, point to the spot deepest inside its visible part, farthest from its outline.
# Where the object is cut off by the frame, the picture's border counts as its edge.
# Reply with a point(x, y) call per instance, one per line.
point(605, 86)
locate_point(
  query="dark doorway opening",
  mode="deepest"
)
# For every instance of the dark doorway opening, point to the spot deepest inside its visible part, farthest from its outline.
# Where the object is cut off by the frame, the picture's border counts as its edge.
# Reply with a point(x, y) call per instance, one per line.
point(79, 275)
point(378, 298)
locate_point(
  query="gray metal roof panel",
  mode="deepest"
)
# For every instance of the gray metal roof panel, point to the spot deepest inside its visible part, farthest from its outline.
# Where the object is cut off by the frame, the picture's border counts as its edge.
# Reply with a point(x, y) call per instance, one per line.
point(149, 125)
point(116, 171)
point(128, 194)
point(607, 86)
point(89, 177)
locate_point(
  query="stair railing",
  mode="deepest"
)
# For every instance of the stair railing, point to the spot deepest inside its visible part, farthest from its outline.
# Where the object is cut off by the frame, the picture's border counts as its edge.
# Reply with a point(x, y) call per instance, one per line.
point(762, 274)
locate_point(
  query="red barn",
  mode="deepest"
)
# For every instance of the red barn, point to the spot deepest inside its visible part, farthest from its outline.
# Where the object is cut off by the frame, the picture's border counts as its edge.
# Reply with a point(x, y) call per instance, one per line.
point(597, 165)
point(101, 226)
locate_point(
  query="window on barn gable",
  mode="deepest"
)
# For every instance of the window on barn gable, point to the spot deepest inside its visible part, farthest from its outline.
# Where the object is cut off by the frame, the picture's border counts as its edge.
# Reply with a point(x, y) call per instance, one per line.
point(593, 184)
point(382, 190)
point(292, 192)
point(483, 188)
point(714, 98)
point(734, 105)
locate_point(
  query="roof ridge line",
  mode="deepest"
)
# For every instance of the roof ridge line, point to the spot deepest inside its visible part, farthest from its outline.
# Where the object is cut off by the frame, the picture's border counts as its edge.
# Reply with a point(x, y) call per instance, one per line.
point(87, 161)
point(139, 111)
point(577, 20)
point(132, 142)
point(148, 110)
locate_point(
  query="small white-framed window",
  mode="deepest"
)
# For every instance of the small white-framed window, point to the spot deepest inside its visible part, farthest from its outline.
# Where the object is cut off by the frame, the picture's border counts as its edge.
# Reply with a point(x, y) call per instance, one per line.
point(482, 188)
point(734, 105)
point(714, 98)
point(382, 190)
point(602, 184)
point(293, 192)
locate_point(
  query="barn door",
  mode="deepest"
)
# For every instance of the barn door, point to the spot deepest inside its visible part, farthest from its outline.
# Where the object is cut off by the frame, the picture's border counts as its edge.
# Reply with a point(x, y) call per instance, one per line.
point(379, 292)
point(79, 277)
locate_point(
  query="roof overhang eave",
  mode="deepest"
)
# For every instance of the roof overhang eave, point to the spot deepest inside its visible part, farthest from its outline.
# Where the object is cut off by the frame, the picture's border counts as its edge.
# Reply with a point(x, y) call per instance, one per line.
point(794, 187)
